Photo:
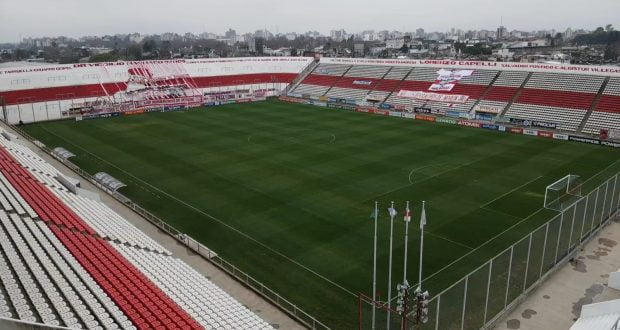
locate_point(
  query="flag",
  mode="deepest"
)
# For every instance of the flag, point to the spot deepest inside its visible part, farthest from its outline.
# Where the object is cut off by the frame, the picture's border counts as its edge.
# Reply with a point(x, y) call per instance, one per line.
point(407, 215)
point(422, 218)
point(374, 213)
point(392, 211)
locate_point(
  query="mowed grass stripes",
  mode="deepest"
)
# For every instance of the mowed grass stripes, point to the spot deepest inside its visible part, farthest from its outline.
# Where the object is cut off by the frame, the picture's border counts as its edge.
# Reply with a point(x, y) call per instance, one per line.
point(284, 191)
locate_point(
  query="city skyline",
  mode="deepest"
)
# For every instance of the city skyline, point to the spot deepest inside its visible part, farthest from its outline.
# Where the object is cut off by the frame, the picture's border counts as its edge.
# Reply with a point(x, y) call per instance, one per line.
point(336, 34)
point(72, 18)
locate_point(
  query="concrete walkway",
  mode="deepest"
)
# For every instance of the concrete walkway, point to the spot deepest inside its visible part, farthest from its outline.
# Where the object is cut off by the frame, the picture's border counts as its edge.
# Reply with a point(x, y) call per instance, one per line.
point(556, 304)
point(264, 309)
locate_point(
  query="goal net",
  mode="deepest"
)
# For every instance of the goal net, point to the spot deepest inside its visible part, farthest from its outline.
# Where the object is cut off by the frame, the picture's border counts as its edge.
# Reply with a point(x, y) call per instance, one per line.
point(563, 192)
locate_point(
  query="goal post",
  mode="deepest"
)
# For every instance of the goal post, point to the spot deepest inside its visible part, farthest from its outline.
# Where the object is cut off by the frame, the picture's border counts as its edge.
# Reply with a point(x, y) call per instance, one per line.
point(563, 192)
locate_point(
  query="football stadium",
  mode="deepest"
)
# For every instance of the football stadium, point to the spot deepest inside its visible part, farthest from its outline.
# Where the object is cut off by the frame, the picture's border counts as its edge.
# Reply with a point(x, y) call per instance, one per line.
point(298, 192)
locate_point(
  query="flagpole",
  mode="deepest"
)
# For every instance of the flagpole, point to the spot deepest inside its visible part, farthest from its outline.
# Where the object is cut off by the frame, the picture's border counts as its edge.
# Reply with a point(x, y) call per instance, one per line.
point(422, 223)
point(389, 298)
point(407, 220)
point(374, 266)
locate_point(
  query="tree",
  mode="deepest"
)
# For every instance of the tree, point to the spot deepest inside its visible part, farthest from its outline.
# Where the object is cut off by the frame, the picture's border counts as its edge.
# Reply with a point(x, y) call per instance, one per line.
point(134, 52)
point(609, 27)
point(112, 56)
point(149, 46)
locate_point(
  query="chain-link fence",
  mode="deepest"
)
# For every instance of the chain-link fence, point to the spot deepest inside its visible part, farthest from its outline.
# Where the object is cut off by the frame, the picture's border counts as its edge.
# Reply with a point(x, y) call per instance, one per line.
point(481, 298)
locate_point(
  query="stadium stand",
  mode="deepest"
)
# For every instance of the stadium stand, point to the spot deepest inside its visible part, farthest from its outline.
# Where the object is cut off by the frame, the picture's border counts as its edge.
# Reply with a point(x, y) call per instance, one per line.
point(601, 315)
point(107, 223)
point(321, 80)
point(221, 311)
point(503, 90)
point(562, 99)
point(558, 95)
point(606, 115)
point(390, 83)
point(66, 260)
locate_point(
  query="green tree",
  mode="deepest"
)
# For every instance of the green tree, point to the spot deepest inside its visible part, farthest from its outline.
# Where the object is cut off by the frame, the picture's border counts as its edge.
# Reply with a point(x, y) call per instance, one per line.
point(133, 52)
point(112, 56)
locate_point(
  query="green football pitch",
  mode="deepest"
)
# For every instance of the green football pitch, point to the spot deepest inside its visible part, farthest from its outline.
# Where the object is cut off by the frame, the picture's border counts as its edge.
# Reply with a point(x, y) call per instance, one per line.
point(285, 191)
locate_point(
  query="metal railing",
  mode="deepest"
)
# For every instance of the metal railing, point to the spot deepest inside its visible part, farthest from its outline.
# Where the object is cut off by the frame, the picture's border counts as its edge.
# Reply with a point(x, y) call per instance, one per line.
point(487, 294)
point(244, 278)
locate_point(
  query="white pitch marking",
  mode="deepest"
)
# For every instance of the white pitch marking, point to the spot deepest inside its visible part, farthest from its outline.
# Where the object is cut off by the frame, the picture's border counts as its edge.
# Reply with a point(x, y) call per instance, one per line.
point(513, 190)
point(421, 167)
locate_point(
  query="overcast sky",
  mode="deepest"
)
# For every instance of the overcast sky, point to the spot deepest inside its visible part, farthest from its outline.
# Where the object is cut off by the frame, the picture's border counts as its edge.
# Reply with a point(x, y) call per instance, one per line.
point(74, 18)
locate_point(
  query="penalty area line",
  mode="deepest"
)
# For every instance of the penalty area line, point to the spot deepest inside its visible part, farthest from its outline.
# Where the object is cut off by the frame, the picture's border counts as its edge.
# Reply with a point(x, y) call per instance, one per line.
point(510, 192)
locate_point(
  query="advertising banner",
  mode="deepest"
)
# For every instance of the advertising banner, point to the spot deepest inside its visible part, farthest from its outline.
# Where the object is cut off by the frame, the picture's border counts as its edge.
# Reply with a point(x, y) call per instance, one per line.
point(501, 128)
point(380, 112)
point(409, 115)
point(489, 126)
point(530, 132)
point(533, 123)
point(433, 97)
point(545, 134)
point(468, 123)
point(543, 124)
point(101, 115)
point(610, 144)
point(362, 82)
point(559, 136)
point(134, 112)
point(395, 113)
point(584, 139)
point(515, 130)
point(447, 121)
point(422, 110)
point(425, 118)
point(488, 109)
point(400, 107)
